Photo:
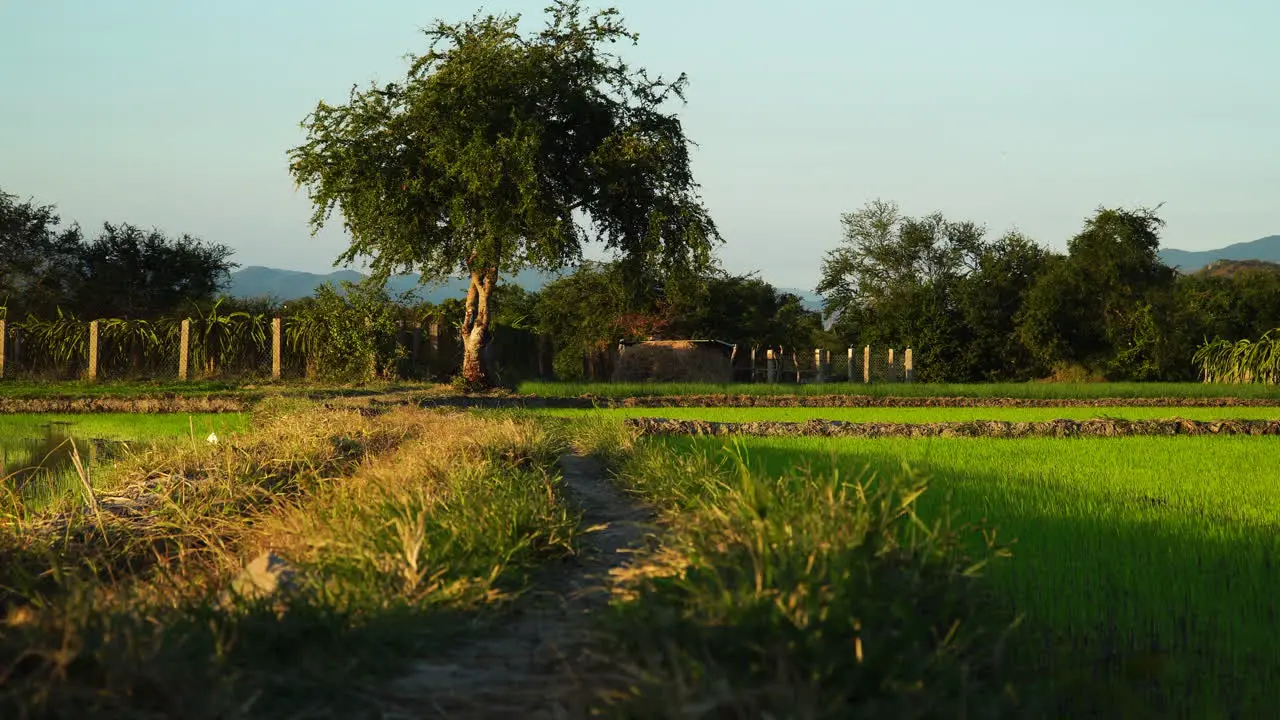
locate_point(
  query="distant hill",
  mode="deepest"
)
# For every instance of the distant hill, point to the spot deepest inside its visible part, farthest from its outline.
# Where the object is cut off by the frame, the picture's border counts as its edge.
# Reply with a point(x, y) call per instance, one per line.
point(284, 285)
point(1188, 261)
point(1231, 268)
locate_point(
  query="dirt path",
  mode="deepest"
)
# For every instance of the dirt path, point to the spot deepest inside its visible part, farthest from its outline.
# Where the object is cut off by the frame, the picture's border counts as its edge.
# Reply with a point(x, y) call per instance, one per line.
point(529, 666)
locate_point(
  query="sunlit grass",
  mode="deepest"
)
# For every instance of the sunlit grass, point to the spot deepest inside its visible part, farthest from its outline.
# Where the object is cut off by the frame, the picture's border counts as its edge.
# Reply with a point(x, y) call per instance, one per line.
point(920, 415)
point(1070, 391)
point(121, 426)
point(405, 528)
point(1146, 555)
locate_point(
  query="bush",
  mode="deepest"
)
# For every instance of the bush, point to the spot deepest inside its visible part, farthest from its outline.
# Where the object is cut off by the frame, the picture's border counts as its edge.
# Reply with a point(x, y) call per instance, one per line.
point(349, 335)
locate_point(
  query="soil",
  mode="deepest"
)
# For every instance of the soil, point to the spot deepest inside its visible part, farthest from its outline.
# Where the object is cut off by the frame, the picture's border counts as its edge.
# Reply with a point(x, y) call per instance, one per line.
point(589, 402)
point(976, 428)
point(535, 664)
point(145, 404)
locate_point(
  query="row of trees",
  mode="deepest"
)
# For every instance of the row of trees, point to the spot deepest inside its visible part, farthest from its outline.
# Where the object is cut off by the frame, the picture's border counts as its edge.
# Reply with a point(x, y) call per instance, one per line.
point(122, 272)
point(1008, 309)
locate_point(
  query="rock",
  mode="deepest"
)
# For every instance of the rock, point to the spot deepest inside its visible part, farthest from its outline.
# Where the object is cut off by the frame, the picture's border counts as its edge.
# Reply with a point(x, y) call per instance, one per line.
point(267, 574)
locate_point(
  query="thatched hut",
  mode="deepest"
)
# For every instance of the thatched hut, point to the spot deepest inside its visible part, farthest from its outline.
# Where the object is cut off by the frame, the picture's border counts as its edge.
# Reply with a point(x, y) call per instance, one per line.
point(675, 361)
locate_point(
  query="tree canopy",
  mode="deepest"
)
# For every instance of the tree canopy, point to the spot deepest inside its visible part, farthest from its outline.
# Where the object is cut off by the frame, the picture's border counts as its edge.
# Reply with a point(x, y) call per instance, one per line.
point(124, 271)
point(501, 151)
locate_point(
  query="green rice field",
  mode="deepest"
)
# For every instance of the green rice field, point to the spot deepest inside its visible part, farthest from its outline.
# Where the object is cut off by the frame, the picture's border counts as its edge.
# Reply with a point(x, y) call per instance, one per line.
point(120, 426)
point(36, 466)
point(1151, 561)
point(921, 415)
point(1070, 391)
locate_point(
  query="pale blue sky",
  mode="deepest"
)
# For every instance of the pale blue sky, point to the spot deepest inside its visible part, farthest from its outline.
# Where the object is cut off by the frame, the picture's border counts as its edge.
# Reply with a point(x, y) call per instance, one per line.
point(1027, 114)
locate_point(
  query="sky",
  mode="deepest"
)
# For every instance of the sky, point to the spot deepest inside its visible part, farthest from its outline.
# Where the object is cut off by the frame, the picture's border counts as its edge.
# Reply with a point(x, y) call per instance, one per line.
point(1014, 114)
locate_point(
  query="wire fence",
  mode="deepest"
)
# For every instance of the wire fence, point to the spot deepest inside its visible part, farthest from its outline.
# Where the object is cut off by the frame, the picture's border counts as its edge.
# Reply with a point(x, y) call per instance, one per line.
point(262, 347)
point(822, 365)
point(246, 349)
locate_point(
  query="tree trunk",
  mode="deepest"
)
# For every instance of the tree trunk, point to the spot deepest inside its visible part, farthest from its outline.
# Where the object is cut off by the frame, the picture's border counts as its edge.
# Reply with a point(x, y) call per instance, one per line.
point(475, 328)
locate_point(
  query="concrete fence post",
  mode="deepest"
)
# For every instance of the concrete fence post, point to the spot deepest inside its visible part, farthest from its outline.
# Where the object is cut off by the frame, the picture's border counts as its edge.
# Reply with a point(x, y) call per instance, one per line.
point(820, 376)
point(184, 349)
point(771, 367)
point(92, 370)
point(3, 336)
point(752, 376)
point(908, 367)
point(891, 375)
point(276, 346)
point(866, 364)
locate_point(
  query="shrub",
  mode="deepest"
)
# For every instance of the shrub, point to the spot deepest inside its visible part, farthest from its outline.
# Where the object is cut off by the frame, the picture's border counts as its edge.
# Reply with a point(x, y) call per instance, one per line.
point(349, 335)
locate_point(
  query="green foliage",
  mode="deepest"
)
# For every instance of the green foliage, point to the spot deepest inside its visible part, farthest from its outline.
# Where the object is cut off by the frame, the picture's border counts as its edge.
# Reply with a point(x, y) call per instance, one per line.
point(913, 282)
point(989, 299)
point(132, 273)
point(745, 310)
point(223, 340)
point(63, 339)
point(585, 310)
point(1244, 361)
point(40, 265)
point(349, 335)
point(980, 310)
point(1098, 305)
point(124, 272)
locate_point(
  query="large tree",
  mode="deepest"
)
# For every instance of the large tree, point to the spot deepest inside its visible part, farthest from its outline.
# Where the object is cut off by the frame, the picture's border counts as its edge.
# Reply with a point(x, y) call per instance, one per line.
point(501, 151)
point(130, 272)
point(1103, 305)
point(896, 280)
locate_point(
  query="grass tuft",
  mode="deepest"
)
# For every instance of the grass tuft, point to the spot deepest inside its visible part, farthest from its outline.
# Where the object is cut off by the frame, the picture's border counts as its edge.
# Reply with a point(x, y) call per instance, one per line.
point(401, 531)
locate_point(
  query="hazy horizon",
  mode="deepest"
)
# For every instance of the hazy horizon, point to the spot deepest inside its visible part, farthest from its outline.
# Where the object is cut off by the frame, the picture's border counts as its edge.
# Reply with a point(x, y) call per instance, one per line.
point(180, 115)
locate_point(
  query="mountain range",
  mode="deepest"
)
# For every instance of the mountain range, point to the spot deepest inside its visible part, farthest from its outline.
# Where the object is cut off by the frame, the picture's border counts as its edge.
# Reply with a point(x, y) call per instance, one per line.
point(285, 285)
point(1266, 249)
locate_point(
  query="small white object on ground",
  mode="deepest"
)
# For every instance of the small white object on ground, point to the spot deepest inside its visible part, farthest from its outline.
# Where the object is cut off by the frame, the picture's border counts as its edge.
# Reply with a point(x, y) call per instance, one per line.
point(213, 439)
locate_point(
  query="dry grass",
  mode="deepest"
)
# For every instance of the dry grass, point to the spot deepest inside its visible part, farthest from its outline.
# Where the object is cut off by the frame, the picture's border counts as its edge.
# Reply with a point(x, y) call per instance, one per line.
point(401, 528)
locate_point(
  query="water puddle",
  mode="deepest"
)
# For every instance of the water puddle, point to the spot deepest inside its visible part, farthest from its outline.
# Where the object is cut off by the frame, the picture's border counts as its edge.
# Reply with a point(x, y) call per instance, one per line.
point(54, 464)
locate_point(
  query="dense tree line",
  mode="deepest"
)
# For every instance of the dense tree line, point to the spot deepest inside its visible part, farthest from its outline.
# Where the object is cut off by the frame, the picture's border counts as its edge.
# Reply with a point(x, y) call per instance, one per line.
point(976, 308)
point(124, 271)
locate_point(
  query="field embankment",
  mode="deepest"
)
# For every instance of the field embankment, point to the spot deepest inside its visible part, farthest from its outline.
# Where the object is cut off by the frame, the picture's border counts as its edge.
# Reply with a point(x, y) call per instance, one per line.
point(743, 393)
point(1109, 427)
point(916, 414)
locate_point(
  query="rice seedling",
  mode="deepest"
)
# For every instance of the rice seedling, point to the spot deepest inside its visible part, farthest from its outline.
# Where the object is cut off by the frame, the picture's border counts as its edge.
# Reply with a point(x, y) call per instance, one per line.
point(120, 426)
point(802, 595)
point(1143, 568)
point(918, 415)
point(1081, 391)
